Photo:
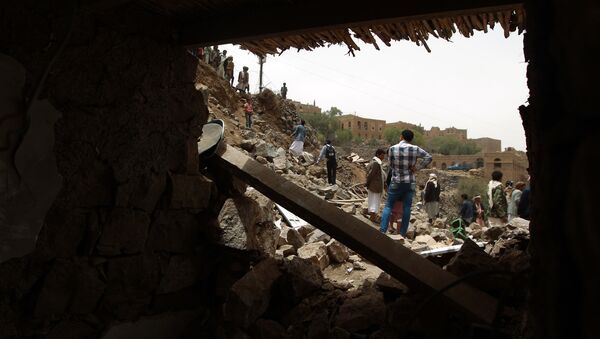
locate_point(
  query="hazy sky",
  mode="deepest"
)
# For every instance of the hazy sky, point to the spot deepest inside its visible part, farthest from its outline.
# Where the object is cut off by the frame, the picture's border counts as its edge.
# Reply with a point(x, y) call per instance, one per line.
point(476, 83)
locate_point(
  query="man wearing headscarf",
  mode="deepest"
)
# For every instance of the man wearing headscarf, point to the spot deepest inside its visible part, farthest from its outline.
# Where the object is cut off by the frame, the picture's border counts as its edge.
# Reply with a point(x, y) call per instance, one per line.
point(375, 181)
point(432, 197)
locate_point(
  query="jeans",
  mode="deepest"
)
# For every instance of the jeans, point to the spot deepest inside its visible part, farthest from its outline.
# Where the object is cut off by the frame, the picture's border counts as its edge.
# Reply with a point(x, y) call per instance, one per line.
point(398, 191)
point(248, 120)
point(331, 167)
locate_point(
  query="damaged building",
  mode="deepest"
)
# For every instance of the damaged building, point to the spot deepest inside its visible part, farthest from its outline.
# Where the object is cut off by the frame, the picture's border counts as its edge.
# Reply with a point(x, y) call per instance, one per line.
point(111, 225)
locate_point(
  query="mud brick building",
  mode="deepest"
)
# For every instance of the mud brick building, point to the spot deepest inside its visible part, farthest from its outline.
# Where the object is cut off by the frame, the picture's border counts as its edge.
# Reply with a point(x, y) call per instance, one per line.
point(362, 127)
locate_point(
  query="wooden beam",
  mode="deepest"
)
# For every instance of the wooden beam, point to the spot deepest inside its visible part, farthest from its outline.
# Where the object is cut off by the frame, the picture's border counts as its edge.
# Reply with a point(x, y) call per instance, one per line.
point(400, 262)
point(313, 16)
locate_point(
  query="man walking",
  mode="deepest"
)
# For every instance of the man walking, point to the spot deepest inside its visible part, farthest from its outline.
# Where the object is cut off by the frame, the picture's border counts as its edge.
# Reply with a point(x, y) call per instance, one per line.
point(375, 180)
point(403, 163)
point(297, 146)
point(328, 152)
point(243, 84)
point(284, 91)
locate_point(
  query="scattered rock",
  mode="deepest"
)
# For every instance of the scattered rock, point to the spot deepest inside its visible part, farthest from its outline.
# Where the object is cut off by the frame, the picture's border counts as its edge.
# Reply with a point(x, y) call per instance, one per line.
point(316, 253)
point(387, 284)
point(249, 145)
point(265, 149)
point(519, 223)
point(301, 279)
point(362, 312)
point(262, 160)
point(336, 251)
point(290, 236)
point(305, 230)
point(359, 266)
point(286, 250)
point(493, 233)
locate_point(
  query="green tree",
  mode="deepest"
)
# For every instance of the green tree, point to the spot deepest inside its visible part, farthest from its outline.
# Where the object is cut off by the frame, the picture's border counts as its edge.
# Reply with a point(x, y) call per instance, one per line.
point(334, 111)
point(323, 123)
point(392, 135)
point(451, 146)
point(343, 136)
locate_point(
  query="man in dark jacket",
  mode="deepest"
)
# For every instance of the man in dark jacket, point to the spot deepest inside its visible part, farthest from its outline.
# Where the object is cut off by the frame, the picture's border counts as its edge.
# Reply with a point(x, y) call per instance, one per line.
point(432, 197)
point(466, 210)
point(328, 152)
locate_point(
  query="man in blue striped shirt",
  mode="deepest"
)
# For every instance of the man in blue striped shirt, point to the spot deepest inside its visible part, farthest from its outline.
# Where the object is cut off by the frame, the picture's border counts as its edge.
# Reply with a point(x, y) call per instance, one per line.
point(402, 158)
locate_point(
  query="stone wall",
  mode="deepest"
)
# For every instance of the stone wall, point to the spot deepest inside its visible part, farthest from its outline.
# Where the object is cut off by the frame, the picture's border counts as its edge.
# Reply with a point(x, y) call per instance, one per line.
point(128, 231)
point(562, 71)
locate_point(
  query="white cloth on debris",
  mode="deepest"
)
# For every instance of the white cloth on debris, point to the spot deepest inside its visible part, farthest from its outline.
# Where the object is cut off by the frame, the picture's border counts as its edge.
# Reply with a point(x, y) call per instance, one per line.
point(373, 200)
point(297, 147)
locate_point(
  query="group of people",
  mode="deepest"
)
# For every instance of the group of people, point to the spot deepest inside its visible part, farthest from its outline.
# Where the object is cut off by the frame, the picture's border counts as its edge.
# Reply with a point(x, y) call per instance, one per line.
point(399, 182)
point(224, 66)
point(505, 202)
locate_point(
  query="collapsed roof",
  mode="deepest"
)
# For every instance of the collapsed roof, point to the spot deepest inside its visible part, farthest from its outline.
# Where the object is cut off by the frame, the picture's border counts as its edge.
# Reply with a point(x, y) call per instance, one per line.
point(259, 25)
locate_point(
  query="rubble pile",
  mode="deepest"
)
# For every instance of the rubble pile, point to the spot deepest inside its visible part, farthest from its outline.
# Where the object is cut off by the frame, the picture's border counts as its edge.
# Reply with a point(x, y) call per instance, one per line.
point(303, 283)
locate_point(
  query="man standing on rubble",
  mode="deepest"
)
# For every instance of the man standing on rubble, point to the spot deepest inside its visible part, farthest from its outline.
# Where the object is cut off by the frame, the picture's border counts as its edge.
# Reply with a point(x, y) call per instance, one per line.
point(375, 183)
point(328, 152)
point(243, 84)
point(403, 158)
point(284, 91)
point(497, 198)
point(297, 146)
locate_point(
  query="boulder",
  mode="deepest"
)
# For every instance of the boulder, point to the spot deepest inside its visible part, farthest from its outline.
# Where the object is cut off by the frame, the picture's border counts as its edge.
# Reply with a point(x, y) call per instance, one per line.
point(316, 253)
point(266, 205)
point(493, 233)
point(265, 149)
point(281, 152)
point(301, 278)
point(249, 297)
point(280, 163)
point(318, 235)
point(309, 158)
point(519, 223)
point(336, 251)
point(305, 230)
point(349, 209)
point(388, 284)
point(262, 160)
point(290, 236)
point(248, 145)
point(422, 228)
point(425, 240)
point(362, 312)
point(245, 225)
point(359, 265)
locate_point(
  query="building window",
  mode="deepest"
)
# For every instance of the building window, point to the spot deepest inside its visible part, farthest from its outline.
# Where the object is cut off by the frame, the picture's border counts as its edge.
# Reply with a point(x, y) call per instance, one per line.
point(497, 163)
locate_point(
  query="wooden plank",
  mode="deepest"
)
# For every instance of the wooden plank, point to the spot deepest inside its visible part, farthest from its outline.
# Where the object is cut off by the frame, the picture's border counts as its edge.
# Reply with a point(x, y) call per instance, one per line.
point(398, 261)
point(305, 17)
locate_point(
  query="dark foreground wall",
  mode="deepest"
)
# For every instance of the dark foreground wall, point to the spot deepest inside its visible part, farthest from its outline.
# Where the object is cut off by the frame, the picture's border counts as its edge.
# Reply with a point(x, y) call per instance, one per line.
point(106, 180)
point(561, 125)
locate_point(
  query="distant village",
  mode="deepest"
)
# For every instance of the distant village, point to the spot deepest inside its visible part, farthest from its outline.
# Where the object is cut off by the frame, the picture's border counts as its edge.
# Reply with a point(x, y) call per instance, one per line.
point(513, 163)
